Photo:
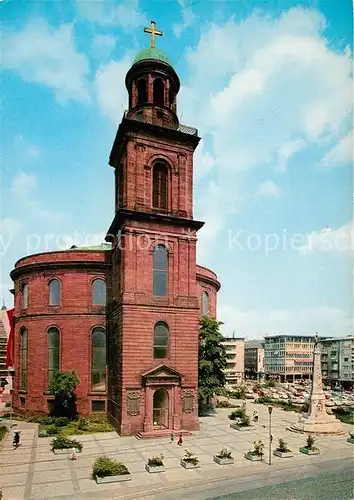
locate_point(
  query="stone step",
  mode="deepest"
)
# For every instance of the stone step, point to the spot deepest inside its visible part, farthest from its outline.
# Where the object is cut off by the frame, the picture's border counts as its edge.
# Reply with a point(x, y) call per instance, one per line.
point(161, 433)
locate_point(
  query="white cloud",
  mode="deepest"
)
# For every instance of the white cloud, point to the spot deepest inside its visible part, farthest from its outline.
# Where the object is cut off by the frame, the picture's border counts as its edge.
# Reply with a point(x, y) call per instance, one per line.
point(102, 45)
point(340, 154)
point(23, 184)
point(9, 225)
point(330, 240)
point(188, 18)
point(127, 14)
point(287, 151)
point(256, 324)
point(279, 88)
point(269, 189)
point(43, 54)
point(111, 97)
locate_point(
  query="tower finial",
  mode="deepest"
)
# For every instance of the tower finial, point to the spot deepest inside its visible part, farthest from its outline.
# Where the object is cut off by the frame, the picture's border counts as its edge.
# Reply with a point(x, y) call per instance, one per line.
point(153, 32)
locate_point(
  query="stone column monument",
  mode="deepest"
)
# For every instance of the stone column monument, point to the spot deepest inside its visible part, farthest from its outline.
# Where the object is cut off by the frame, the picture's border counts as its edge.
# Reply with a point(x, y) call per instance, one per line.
point(317, 420)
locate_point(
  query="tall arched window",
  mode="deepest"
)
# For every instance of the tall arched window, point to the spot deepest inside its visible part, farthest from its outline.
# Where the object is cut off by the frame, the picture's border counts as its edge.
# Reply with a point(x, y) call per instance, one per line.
point(99, 292)
point(54, 292)
point(159, 92)
point(205, 303)
point(142, 91)
point(53, 352)
point(98, 360)
point(160, 278)
point(24, 340)
point(24, 291)
point(159, 186)
point(161, 340)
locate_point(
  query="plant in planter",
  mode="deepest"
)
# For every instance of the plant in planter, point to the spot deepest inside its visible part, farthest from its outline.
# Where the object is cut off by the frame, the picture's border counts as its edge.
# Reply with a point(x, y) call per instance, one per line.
point(243, 423)
point(257, 453)
point(63, 444)
point(155, 464)
point(108, 470)
point(351, 438)
point(189, 460)
point(224, 457)
point(309, 448)
point(234, 415)
point(282, 450)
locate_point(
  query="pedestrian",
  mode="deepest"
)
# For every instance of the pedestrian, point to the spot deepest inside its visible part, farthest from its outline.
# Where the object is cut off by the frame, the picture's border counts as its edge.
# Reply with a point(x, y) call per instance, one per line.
point(73, 454)
point(172, 437)
point(16, 441)
point(180, 439)
point(255, 416)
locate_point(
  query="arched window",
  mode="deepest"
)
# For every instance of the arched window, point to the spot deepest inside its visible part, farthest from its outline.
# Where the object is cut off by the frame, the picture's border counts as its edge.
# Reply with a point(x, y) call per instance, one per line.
point(159, 186)
point(159, 92)
point(205, 303)
point(160, 278)
point(24, 340)
point(53, 352)
point(172, 97)
point(24, 291)
point(160, 340)
point(54, 292)
point(99, 292)
point(142, 92)
point(98, 360)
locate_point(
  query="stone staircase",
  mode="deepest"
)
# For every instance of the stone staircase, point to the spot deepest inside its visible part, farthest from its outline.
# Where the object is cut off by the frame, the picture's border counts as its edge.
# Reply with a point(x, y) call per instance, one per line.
point(161, 433)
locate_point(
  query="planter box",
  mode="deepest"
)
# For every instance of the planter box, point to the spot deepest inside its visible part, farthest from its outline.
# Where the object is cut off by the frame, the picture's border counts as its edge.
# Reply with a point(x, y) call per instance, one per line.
point(113, 479)
point(283, 454)
point(154, 468)
point(350, 440)
point(239, 427)
point(253, 458)
point(62, 451)
point(224, 461)
point(189, 465)
point(42, 433)
point(309, 452)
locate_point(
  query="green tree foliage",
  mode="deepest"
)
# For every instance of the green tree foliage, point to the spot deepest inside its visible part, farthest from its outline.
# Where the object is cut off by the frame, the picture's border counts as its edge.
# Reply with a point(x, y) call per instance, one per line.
point(62, 387)
point(212, 359)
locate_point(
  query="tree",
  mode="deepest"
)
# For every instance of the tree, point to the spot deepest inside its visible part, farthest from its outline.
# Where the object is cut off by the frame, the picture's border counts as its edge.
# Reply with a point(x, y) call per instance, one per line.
point(212, 359)
point(62, 386)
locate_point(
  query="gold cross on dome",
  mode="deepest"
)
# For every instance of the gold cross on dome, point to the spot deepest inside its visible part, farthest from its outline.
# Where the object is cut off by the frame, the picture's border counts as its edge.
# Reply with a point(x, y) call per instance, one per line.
point(153, 32)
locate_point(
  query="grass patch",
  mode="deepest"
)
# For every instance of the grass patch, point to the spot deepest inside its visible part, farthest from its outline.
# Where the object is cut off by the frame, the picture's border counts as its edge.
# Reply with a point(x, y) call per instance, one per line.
point(3, 432)
point(76, 427)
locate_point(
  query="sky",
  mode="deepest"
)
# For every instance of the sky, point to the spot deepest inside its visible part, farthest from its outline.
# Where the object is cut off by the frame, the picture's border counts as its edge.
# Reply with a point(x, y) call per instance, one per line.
point(269, 87)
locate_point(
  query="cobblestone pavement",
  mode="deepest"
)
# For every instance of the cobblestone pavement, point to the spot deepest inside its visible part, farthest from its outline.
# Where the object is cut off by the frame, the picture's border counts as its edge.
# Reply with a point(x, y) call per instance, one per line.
point(34, 472)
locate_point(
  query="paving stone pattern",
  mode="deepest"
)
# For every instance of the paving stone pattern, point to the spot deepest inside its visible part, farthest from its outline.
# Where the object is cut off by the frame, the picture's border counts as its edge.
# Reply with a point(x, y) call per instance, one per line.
point(34, 472)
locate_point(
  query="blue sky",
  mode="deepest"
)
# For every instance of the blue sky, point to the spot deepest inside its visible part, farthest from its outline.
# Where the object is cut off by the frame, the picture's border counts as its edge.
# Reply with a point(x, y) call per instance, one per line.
point(267, 84)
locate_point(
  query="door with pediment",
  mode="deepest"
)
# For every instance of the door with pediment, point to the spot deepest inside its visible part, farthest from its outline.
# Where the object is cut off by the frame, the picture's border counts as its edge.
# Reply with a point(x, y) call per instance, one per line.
point(160, 409)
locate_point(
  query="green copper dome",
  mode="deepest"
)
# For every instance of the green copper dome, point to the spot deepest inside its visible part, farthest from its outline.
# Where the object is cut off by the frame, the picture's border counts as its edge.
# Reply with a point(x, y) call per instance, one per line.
point(151, 53)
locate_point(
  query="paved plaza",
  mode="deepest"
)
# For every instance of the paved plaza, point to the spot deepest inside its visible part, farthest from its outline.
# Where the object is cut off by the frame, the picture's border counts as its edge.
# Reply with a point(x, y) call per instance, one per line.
point(34, 472)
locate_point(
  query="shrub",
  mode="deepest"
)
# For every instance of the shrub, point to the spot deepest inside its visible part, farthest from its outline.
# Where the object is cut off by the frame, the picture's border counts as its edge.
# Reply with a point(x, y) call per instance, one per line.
point(189, 457)
point(245, 420)
point(310, 441)
point(61, 421)
point(7, 405)
point(52, 430)
point(264, 400)
point(236, 414)
point(225, 404)
point(62, 387)
point(156, 461)
point(270, 383)
point(258, 448)
point(82, 424)
point(224, 453)
point(239, 393)
point(282, 446)
point(3, 431)
point(104, 466)
point(63, 442)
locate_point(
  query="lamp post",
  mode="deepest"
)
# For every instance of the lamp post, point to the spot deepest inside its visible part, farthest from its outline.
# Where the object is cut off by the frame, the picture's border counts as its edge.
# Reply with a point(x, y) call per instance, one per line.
point(270, 409)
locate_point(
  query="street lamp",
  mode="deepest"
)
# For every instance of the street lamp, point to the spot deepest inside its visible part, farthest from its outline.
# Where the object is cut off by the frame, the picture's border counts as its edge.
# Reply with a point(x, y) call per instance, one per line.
point(270, 409)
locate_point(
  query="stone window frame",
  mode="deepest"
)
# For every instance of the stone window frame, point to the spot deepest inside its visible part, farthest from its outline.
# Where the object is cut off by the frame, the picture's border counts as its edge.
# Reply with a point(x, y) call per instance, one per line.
point(92, 390)
point(49, 281)
point(171, 171)
point(24, 285)
point(50, 327)
point(92, 280)
point(205, 293)
point(23, 370)
point(167, 346)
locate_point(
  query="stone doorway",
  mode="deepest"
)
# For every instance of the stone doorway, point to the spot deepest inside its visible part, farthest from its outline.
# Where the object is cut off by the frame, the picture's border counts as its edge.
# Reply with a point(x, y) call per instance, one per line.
point(160, 409)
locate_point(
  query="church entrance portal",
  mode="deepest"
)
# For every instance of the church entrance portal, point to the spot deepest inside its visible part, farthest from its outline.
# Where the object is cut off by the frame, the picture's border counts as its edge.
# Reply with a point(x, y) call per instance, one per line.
point(160, 409)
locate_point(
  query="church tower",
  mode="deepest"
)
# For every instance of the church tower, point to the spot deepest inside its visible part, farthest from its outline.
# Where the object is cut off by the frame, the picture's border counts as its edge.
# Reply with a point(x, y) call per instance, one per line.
point(153, 308)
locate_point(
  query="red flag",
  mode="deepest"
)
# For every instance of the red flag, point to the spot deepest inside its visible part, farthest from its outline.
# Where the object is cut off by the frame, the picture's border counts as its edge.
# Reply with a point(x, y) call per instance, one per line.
point(9, 363)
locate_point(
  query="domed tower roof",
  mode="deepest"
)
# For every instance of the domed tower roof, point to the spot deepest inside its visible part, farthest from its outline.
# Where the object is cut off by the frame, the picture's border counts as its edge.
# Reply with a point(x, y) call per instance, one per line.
point(151, 53)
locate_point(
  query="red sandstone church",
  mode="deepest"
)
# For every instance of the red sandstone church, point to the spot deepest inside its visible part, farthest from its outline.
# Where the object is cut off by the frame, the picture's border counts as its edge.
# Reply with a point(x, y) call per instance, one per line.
point(125, 314)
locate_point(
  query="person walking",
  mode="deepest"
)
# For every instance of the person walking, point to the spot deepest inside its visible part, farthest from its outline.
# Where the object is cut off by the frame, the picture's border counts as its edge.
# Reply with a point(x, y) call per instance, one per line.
point(172, 437)
point(16, 441)
point(180, 439)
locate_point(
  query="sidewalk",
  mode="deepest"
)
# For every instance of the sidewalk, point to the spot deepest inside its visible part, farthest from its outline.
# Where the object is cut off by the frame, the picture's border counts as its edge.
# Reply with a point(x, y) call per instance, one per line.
point(34, 472)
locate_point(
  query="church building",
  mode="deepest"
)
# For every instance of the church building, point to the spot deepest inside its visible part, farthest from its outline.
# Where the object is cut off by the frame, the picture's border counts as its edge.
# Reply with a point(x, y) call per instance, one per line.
point(125, 314)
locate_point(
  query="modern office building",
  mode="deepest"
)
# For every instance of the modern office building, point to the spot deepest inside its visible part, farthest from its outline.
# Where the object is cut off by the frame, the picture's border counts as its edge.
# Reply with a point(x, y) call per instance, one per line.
point(235, 353)
point(338, 361)
point(288, 357)
point(254, 359)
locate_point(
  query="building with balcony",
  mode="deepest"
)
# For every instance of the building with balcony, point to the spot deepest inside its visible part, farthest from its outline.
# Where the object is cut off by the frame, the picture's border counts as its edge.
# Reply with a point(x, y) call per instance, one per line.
point(254, 359)
point(235, 353)
point(288, 357)
point(338, 361)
